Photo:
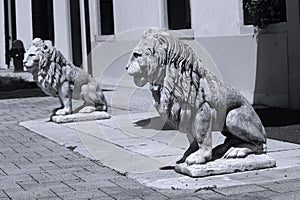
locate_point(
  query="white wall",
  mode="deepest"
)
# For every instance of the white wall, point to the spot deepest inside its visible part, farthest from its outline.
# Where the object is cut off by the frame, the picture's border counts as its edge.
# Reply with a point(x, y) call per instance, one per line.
point(131, 14)
point(94, 13)
point(2, 36)
point(235, 57)
point(215, 17)
point(24, 21)
point(62, 27)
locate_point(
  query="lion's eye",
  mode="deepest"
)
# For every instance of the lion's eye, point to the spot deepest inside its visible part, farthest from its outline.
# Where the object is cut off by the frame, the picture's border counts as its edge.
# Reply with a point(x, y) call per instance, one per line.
point(136, 55)
point(31, 54)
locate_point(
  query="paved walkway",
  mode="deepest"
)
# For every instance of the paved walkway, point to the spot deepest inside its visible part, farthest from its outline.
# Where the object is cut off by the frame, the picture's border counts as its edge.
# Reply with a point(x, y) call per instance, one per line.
point(34, 167)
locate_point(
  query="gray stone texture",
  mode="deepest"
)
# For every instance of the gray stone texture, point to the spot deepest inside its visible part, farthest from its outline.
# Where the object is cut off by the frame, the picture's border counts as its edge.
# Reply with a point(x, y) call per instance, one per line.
point(30, 160)
point(226, 166)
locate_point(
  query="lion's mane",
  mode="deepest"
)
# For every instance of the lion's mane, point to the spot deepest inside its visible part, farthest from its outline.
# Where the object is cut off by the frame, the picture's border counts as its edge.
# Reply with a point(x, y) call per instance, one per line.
point(175, 76)
point(50, 65)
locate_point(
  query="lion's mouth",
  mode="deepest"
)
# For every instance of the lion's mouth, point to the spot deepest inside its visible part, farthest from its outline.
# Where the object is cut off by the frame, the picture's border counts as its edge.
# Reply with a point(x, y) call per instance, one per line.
point(139, 77)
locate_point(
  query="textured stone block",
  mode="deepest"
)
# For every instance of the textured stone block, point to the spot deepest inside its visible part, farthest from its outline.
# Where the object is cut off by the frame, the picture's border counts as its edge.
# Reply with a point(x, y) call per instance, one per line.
point(226, 166)
point(97, 115)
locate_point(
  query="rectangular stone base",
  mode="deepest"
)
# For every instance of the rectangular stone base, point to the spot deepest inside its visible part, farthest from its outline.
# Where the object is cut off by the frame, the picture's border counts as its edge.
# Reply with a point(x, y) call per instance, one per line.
point(76, 117)
point(226, 166)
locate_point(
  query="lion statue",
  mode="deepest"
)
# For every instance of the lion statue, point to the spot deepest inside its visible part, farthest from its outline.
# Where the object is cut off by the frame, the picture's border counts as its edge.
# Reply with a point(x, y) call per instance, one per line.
point(194, 101)
point(58, 77)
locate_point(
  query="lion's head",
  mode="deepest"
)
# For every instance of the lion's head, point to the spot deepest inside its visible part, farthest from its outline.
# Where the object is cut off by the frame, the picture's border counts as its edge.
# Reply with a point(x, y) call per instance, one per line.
point(156, 51)
point(147, 62)
point(45, 63)
point(172, 69)
point(35, 55)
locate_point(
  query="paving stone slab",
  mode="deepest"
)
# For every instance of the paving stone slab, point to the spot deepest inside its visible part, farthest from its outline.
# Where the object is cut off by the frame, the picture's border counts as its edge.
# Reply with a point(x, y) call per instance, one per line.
point(77, 117)
point(226, 166)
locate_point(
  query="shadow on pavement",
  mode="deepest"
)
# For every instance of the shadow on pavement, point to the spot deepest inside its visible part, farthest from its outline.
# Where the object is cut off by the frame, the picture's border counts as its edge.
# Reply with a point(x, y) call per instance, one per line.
point(275, 117)
point(22, 93)
point(154, 123)
point(280, 124)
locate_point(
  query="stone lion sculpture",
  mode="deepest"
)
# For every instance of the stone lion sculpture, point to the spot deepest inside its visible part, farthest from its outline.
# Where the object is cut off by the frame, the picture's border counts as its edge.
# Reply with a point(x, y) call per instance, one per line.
point(195, 101)
point(58, 77)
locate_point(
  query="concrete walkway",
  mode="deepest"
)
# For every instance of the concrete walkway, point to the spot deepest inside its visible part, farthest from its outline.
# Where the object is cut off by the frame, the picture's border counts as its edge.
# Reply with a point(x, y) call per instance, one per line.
point(124, 155)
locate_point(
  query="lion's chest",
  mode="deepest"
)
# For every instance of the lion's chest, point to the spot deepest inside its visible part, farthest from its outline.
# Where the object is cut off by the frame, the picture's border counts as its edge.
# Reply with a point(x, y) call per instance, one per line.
point(180, 101)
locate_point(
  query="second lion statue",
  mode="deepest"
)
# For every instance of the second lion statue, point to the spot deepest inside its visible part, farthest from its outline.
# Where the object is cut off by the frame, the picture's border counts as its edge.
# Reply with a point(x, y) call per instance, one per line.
point(192, 99)
point(58, 77)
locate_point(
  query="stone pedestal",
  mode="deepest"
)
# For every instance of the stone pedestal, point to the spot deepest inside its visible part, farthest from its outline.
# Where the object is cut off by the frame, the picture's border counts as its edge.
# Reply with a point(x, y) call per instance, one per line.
point(226, 166)
point(76, 117)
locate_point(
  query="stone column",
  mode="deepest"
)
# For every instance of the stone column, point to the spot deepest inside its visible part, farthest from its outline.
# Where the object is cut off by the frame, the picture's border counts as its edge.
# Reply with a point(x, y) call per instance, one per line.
point(62, 27)
point(24, 21)
point(2, 36)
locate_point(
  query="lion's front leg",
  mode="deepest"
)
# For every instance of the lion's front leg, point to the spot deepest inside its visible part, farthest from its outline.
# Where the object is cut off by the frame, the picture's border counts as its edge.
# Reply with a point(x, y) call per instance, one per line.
point(65, 96)
point(202, 127)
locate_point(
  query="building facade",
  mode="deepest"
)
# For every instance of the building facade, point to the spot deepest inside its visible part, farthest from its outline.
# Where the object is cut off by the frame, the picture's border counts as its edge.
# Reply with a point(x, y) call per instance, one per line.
point(263, 66)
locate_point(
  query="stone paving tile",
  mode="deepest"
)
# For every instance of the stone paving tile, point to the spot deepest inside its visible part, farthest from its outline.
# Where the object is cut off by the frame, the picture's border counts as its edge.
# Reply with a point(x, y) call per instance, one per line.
point(33, 167)
point(290, 196)
point(283, 186)
point(20, 195)
point(48, 198)
point(239, 189)
point(126, 183)
point(82, 194)
point(45, 177)
point(182, 194)
point(3, 194)
point(90, 185)
point(268, 194)
point(243, 197)
point(141, 193)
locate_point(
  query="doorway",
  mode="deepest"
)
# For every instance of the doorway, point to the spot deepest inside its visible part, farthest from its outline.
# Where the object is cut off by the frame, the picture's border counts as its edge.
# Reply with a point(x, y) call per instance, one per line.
point(9, 27)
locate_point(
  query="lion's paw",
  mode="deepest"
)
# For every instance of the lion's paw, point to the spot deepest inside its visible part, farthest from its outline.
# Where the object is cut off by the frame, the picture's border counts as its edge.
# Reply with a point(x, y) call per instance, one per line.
point(237, 152)
point(198, 157)
point(87, 109)
point(63, 112)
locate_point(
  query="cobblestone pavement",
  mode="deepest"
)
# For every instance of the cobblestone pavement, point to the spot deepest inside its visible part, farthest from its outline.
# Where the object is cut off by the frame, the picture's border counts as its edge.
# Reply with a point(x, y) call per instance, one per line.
point(34, 167)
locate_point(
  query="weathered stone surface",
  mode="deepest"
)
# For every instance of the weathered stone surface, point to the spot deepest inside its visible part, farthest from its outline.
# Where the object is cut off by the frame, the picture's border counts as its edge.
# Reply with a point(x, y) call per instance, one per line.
point(226, 166)
point(81, 117)
point(195, 101)
point(56, 76)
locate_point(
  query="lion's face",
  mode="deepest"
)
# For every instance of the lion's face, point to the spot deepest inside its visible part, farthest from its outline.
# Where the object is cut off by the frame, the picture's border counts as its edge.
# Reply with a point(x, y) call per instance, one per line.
point(145, 62)
point(31, 59)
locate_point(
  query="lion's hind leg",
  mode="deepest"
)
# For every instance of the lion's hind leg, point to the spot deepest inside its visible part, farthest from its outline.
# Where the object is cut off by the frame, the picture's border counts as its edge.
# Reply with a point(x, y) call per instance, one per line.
point(246, 133)
point(93, 98)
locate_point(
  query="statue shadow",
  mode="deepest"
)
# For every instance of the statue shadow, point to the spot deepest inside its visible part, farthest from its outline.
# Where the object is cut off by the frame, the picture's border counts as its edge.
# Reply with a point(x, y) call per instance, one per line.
point(276, 117)
point(155, 123)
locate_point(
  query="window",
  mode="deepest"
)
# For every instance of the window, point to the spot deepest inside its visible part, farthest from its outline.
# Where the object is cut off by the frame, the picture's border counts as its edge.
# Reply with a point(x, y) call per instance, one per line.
point(179, 14)
point(42, 19)
point(107, 17)
point(263, 13)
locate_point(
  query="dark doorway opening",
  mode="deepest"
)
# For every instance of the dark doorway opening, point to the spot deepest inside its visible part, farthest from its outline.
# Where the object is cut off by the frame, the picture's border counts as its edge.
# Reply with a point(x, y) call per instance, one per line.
point(179, 14)
point(42, 19)
point(107, 17)
point(76, 32)
point(9, 27)
point(88, 36)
